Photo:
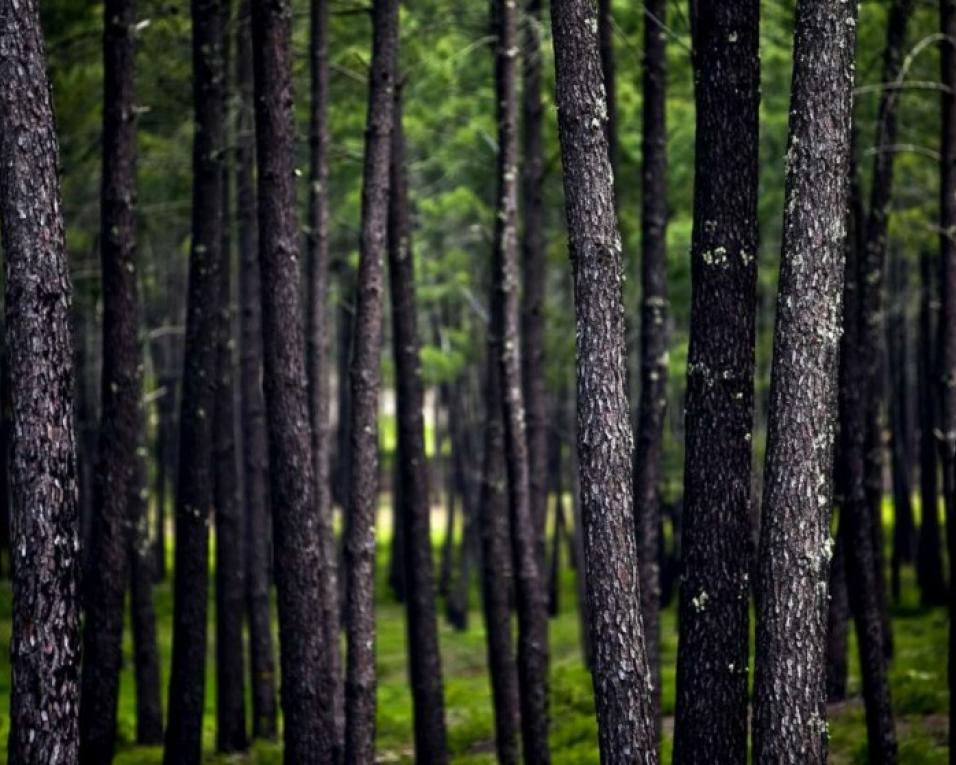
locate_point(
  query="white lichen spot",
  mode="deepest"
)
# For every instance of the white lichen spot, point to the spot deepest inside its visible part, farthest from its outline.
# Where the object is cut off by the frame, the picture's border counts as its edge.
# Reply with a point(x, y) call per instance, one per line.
point(699, 602)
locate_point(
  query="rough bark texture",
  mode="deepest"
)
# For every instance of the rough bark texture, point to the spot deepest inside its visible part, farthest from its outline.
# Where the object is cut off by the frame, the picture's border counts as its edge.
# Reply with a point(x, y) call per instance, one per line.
point(318, 333)
point(711, 723)
point(308, 731)
point(504, 346)
point(622, 680)
point(149, 707)
point(534, 270)
point(653, 396)
point(194, 498)
point(45, 644)
point(606, 44)
point(929, 561)
point(946, 353)
point(496, 574)
point(795, 543)
point(872, 333)
point(121, 389)
point(230, 574)
point(255, 458)
point(364, 381)
point(424, 658)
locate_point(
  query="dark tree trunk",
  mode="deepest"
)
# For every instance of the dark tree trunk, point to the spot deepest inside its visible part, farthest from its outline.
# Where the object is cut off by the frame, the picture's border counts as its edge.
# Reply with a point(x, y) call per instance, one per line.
point(504, 348)
point(716, 538)
point(496, 578)
point(838, 620)
point(621, 673)
point(653, 396)
point(424, 659)
point(255, 456)
point(929, 561)
point(856, 520)
point(463, 444)
point(149, 708)
point(791, 643)
point(319, 330)
point(946, 352)
point(872, 280)
point(45, 684)
point(606, 44)
point(342, 463)
point(6, 417)
point(560, 530)
point(309, 716)
point(230, 578)
point(396, 557)
point(534, 275)
point(365, 381)
point(121, 389)
point(194, 498)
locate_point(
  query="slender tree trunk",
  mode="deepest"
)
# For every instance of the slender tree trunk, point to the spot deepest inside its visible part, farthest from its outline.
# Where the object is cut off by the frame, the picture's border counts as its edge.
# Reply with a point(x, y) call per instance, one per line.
point(424, 659)
point(946, 353)
point(121, 390)
point(622, 679)
point(194, 498)
point(838, 620)
point(319, 332)
point(255, 456)
point(365, 381)
point(872, 335)
point(504, 347)
point(711, 722)
point(496, 577)
point(790, 675)
point(929, 561)
point(5, 432)
point(654, 339)
point(309, 716)
point(534, 274)
point(605, 22)
point(230, 575)
point(396, 553)
point(149, 707)
point(45, 684)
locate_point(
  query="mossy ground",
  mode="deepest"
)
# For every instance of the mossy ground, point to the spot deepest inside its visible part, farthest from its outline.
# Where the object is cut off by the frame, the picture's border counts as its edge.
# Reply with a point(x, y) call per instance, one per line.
point(918, 675)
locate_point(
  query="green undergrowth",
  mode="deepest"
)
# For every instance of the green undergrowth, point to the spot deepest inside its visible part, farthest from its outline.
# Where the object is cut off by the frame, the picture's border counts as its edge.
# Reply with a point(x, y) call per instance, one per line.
point(918, 676)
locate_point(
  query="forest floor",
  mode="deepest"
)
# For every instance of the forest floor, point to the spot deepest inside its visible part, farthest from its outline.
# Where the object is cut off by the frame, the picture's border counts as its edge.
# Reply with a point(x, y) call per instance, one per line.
point(918, 676)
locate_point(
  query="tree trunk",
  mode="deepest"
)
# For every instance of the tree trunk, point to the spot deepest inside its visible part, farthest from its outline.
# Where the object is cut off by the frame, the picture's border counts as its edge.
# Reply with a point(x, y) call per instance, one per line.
point(319, 332)
point(255, 456)
point(606, 44)
point(195, 492)
point(309, 728)
point(149, 708)
point(121, 390)
point(534, 275)
point(230, 579)
point(946, 353)
point(504, 347)
point(365, 380)
point(716, 537)
point(424, 659)
point(654, 339)
point(838, 620)
point(929, 562)
point(496, 579)
point(45, 684)
point(790, 674)
point(621, 673)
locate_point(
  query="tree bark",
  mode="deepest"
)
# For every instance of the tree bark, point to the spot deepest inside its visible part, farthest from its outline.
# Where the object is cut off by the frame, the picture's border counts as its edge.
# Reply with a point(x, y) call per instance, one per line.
point(309, 728)
point(365, 380)
point(929, 561)
point(121, 389)
point(606, 44)
point(319, 332)
point(654, 336)
point(504, 347)
point(790, 675)
point(946, 353)
point(255, 456)
point(424, 659)
point(622, 679)
point(711, 723)
point(195, 491)
point(45, 642)
point(838, 620)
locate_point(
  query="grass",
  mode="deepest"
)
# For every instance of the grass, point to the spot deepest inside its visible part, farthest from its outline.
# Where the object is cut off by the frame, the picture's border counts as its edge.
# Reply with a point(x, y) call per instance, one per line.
point(918, 678)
